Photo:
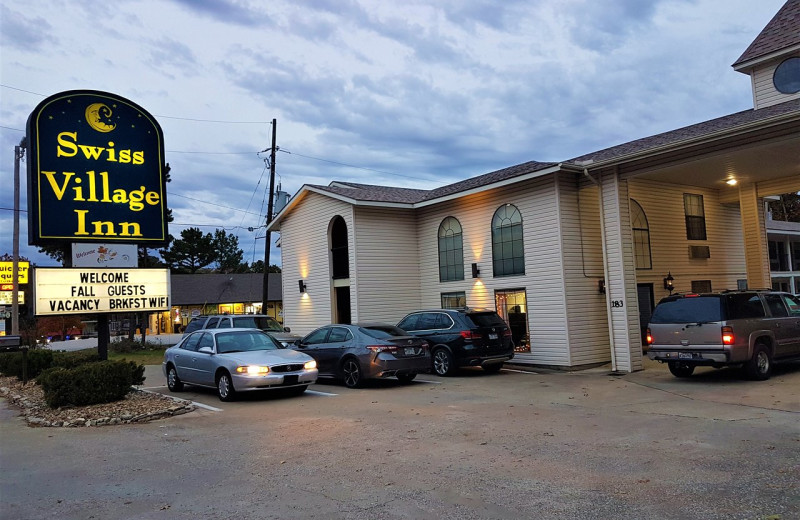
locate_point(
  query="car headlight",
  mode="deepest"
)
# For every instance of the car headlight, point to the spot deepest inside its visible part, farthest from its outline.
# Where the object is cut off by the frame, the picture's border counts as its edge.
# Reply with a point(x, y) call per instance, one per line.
point(310, 364)
point(252, 370)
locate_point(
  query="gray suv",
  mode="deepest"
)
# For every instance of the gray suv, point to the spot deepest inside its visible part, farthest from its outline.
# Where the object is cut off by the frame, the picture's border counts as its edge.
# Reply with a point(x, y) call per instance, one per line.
point(747, 328)
point(249, 321)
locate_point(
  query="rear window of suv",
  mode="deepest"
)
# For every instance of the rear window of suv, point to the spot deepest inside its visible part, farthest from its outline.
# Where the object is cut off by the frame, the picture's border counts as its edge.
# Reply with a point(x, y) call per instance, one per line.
point(486, 319)
point(688, 310)
point(706, 308)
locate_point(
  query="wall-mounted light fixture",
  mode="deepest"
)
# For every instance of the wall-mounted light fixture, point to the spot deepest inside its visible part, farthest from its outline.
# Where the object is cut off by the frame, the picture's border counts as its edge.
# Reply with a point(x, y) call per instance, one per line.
point(302, 286)
point(475, 271)
point(601, 286)
point(668, 282)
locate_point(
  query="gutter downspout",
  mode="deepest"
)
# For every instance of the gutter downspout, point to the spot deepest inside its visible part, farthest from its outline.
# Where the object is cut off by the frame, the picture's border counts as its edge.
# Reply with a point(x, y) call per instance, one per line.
point(605, 268)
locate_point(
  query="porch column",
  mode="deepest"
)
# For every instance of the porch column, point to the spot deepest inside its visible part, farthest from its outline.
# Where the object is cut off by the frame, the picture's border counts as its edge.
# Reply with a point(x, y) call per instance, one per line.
point(754, 232)
point(619, 263)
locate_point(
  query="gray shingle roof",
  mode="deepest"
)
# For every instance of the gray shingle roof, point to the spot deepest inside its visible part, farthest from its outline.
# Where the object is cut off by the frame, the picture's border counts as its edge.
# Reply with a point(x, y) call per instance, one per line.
point(699, 130)
point(197, 289)
point(372, 193)
point(389, 194)
point(781, 32)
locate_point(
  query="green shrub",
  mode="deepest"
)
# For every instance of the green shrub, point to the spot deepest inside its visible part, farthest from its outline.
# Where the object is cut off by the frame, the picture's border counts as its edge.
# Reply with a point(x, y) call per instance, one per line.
point(90, 383)
point(40, 360)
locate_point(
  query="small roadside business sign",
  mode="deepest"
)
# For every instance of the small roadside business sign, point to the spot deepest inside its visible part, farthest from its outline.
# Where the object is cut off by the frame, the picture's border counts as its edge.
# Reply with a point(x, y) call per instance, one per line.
point(61, 290)
point(7, 272)
point(96, 171)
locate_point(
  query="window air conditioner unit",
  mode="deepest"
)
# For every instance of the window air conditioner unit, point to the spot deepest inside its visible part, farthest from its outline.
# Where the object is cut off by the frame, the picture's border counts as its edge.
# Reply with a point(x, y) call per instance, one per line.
point(699, 252)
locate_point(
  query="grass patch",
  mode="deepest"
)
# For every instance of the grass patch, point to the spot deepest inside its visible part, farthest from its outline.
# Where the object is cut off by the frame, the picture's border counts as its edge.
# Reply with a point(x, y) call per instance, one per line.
point(143, 357)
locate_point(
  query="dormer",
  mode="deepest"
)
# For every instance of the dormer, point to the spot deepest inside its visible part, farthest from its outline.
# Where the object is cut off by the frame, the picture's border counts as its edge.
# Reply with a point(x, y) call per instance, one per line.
point(773, 59)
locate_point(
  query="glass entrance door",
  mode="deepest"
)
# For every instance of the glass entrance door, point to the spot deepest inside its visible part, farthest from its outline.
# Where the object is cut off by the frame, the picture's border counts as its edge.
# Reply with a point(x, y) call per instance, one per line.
point(512, 306)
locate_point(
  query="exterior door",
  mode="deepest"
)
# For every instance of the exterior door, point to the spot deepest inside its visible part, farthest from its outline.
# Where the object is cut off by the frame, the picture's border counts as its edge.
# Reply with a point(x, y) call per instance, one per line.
point(512, 306)
point(646, 306)
point(343, 305)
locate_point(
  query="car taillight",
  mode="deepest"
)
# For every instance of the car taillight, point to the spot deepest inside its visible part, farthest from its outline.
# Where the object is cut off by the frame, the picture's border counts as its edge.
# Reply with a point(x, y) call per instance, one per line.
point(382, 348)
point(468, 334)
point(649, 337)
point(727, 336)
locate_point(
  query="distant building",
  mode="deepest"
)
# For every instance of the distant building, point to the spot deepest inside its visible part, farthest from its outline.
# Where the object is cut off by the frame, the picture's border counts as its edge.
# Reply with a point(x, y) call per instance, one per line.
point(574, 254)
point(784, 255)
point(195, 294)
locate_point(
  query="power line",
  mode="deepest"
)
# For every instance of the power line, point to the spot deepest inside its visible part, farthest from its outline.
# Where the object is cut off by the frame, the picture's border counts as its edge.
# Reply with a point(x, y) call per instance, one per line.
point(352, 165)
point(171, 194)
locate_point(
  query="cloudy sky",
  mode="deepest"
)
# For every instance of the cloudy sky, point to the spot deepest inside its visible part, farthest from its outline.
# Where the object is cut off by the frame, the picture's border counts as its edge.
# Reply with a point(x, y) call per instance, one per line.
point(417, 96)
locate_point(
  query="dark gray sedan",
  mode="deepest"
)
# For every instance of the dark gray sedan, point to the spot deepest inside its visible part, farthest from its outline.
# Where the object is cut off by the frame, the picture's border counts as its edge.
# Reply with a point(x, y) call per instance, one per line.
point(236, 360)
point(353, 353)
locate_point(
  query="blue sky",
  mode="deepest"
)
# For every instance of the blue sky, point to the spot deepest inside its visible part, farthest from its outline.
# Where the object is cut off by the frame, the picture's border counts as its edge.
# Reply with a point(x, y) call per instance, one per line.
point(364, 91)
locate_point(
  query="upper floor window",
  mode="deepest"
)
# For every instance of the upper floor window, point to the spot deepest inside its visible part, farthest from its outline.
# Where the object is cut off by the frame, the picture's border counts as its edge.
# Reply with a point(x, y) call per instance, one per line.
point(508, 256)
point(340, 257)
point(787, 76)
point(695, 216)
point(451, 251)
point(641, 237)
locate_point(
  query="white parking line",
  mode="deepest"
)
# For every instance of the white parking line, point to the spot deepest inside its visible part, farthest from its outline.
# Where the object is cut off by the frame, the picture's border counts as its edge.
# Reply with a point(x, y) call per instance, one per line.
point(519, 371)
point(317, 392)
point(426, 381)
point(199, 405)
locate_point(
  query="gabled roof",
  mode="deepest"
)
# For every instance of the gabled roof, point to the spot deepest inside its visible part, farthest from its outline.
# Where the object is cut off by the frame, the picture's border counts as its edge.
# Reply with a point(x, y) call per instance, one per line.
point(782, 32)
point(199, 289)
point(387, 194)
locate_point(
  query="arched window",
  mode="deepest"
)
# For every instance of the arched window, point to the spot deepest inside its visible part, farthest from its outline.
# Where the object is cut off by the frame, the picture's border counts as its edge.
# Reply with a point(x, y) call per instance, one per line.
point(451, 251)
point(340, 259)
point(508, 256)
point(641, 237)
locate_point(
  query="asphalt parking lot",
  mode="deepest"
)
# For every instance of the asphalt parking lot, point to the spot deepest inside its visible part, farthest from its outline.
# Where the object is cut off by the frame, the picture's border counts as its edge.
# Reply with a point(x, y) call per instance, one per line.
point(516, 444)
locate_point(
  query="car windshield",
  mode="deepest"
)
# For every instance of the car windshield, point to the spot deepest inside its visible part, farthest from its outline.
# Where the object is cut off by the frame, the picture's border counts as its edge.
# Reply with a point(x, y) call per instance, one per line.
point(257, 322)
point(244, 341)
point(383, 331)
point(697, 309)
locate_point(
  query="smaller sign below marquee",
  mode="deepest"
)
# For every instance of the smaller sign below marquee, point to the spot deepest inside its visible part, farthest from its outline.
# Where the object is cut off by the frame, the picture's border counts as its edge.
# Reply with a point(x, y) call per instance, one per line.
point(7, 298)
point(104, 255)
point(90, 291)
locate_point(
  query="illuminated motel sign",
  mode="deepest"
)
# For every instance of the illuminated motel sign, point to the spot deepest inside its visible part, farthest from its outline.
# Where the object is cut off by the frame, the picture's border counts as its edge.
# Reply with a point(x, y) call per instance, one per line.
point(96, 171)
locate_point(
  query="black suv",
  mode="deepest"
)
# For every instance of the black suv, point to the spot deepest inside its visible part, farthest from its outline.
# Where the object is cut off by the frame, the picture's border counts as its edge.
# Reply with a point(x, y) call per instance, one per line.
point(464, 337)
point(251, 321)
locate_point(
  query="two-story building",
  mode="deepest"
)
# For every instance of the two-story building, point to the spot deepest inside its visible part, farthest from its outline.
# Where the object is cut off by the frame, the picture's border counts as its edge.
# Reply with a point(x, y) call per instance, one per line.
point(574, 254)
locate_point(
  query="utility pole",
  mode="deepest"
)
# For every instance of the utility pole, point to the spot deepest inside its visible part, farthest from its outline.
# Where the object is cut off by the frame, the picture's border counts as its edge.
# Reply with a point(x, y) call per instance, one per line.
point(269, 218)
point(19, 153)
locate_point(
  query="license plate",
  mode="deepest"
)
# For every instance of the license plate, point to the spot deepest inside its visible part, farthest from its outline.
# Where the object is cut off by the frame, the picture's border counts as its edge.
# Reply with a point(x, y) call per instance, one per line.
point(410, 351)
point(685, 355)
point(492, 336)
point(289, 380)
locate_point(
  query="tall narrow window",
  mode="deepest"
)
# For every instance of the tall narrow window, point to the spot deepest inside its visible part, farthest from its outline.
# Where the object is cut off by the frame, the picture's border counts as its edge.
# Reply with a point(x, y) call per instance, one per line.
point(508, 256)
point(695, 216)
point(641, 236)
point(454, 300)
point(451, 251)
point(340, 258)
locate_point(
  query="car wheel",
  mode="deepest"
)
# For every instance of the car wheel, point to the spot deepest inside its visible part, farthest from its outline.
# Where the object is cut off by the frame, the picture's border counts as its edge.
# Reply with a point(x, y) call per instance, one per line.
point(406, 378)
point(443, 362)
point(225, 389)
point(173, 381)
point(493, 368)
point(680, 369)
point(760, 367)
point(351, 373)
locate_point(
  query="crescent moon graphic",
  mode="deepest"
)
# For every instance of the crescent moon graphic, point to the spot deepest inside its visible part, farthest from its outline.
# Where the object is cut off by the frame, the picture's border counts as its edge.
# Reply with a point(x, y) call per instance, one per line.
point(98, 116)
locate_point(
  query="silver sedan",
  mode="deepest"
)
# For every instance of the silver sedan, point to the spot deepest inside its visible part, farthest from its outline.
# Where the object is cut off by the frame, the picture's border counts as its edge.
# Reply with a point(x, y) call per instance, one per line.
point(237, 360)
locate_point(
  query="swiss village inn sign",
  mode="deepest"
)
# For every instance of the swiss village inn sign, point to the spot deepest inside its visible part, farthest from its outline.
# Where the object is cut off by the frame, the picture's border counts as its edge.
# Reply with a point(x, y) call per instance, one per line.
point(96, 171)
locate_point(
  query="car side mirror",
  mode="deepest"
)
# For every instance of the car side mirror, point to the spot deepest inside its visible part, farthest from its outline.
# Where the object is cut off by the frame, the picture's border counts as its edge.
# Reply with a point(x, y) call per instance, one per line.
point(298, 344)
point(287, 329)
point(206, 350)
